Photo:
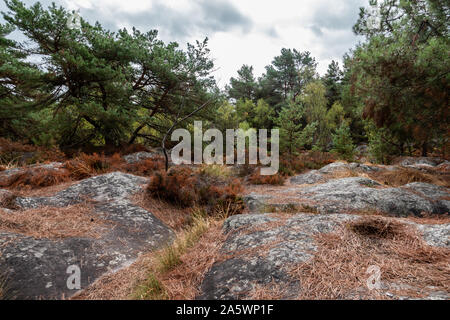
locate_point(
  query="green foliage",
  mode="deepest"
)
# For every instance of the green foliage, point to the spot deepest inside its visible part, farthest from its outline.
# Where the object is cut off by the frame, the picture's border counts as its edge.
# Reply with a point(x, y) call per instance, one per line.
point(287, 76)
point(316, 112)
point(343, 143)
point(332, 81)
point(381, 147)
point(244, 87)
point(402, 72)
point(294, 135)
point(109, 87)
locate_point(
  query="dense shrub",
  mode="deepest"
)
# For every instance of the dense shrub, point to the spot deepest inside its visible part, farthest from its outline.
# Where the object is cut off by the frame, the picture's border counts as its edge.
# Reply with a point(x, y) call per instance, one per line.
point(313, 160)
point(35, 178)
point(183, 187)
point(19, 153)
point(276, 179)
point(343, 143)
point(85, 166)
point(145, 167)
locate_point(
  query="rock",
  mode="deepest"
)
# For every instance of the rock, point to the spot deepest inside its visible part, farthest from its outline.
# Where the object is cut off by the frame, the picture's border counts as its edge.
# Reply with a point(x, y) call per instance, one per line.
point(36, 268)
point(435, 235)
point(258, 258)
point(333, 167)
point(261, 250)
point(341, 195)
point(341, 166)
point(418, 161)
point(109, 187)
point(362, 150)
point(356, 194)
point(139, 156)
point(255, 202)
point(311, 177)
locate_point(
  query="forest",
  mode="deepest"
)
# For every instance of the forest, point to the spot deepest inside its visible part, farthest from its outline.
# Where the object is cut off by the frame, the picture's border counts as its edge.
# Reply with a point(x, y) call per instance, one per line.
point(86, 87)
point(92, 207)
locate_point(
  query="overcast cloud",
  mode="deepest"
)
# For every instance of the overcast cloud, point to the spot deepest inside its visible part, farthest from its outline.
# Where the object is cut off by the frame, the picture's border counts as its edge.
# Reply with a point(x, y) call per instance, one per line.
point(240, 31)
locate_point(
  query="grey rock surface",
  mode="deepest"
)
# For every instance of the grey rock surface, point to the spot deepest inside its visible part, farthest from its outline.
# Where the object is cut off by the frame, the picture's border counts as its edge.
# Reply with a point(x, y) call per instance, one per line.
point(311, 177)
point(36, 268)
point(340, 166)
point(415, 161)
point(257, 255)
point(356, 193)
point(138, 156)
point(256, 202)
point(261, 256)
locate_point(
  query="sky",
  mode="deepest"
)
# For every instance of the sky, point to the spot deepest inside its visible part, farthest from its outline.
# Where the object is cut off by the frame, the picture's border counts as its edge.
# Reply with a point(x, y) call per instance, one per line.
point(240, 32)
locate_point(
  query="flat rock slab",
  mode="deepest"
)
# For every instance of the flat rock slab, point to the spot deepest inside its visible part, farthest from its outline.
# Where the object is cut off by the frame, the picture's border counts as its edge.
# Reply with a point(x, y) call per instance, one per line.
point(356, 194)
point(37, 268)
point(353, 195)
point(139, 156)
point(259, 256)
point(340, 166)
point(261, 248)
point(311, 177)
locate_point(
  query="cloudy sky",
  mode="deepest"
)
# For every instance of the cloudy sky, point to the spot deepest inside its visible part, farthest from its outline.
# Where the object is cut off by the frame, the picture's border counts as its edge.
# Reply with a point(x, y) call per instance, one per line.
point(240, 31)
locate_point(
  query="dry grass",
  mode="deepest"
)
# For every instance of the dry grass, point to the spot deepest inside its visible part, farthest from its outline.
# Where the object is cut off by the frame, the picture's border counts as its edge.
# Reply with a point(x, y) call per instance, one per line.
point(85, 166)
point(16, 153)
point(8, 200)
point(344, 173)
point(174, 273)
point(183, 187)
point(33, 178)
point(338, 269)
point(403, 176)
point(173, 216)
point(215, 171)
point(258, 179)
point(145, 167)
point(183, 281)
point(54, 223)
point(291, 165)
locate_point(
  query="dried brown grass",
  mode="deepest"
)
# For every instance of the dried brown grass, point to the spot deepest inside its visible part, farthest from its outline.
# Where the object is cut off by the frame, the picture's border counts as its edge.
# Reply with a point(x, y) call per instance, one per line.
point(258, 179)
point(145, 279)
point(173, 216)
point(402, 176)
point(338, 269)
point(54, 223)
point(8, 200)
point(33, 178)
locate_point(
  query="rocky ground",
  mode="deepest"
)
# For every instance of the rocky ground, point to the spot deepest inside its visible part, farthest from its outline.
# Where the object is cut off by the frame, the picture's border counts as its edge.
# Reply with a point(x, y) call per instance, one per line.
point(278, 250)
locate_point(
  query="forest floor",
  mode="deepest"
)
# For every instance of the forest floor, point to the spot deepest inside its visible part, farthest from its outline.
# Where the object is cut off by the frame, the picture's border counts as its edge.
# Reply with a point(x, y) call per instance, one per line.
point(313, 235)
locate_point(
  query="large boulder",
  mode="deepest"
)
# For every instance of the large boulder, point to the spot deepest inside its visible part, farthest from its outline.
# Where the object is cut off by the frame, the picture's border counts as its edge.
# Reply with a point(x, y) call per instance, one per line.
point(342, 166)
point(37, 268)
point(139, 156)
point(311, 177)
point(355, 194)
point(259, 255)
point(260, 250)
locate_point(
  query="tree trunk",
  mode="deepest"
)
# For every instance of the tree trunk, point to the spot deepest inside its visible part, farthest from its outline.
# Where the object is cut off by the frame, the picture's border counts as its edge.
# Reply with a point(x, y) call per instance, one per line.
point(424, 149)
